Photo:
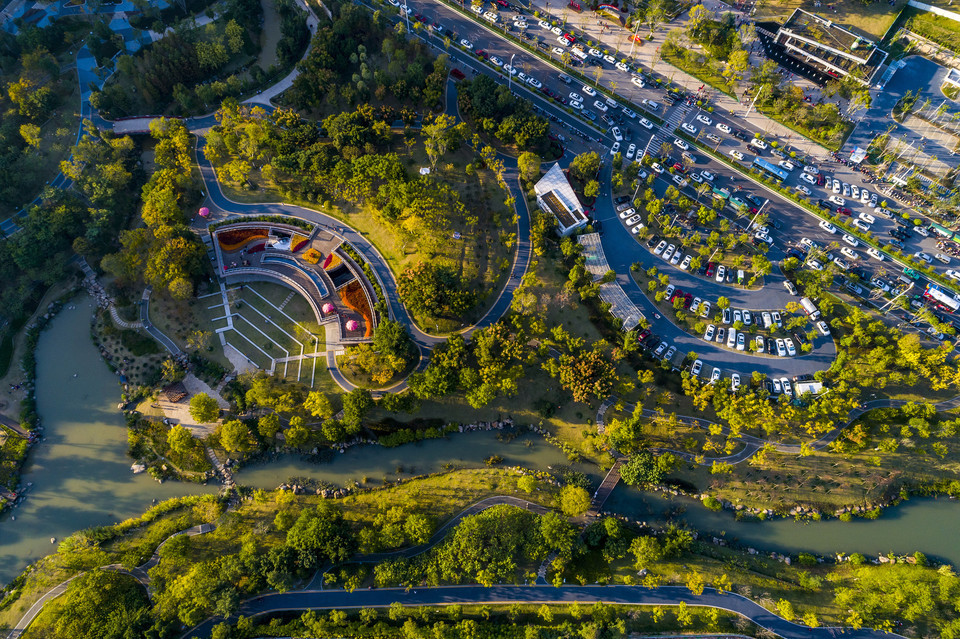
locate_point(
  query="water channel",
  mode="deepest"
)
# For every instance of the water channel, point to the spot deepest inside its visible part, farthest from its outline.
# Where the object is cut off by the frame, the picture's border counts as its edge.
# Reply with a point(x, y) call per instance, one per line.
point(81, 476)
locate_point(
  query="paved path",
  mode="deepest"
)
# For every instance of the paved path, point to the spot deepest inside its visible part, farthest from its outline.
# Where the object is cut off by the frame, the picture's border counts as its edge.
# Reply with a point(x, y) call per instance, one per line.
point(534, 594)
point(155, 332)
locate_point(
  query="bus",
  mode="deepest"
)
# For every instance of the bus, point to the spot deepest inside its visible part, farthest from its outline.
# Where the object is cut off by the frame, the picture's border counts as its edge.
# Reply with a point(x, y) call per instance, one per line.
point(772, 170)
point(721, 194)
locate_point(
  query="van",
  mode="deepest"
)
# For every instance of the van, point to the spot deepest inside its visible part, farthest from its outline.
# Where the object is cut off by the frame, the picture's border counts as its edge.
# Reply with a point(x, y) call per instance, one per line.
point(566, 79)
point(741, 276)
point(651, 105)
point(579, 53)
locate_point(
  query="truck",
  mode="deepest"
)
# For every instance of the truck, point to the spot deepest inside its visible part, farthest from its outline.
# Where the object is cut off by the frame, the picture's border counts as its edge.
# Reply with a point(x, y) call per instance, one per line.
point(810, 308)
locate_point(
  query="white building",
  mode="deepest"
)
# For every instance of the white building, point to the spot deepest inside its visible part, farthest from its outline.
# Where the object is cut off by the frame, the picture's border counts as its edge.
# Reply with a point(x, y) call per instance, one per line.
point(556, 196)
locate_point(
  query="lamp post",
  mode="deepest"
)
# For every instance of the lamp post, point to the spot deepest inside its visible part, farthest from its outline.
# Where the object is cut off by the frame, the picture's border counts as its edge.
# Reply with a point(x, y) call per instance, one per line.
point(510, 75)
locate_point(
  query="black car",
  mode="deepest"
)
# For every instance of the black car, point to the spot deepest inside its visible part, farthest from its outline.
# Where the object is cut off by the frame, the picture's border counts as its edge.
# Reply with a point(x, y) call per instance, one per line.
point(800, 338)
point(653, 241)
point(622, 199)
point(740, 135)
point(824, 205)
point(795, 252)
point(896, 243)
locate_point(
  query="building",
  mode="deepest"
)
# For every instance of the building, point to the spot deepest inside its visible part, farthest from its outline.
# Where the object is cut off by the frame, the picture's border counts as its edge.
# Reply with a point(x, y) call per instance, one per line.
point(826, 49)
point(556, 196)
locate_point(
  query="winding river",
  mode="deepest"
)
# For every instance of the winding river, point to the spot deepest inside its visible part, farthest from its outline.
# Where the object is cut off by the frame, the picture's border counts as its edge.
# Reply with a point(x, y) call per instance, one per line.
point(81, 476)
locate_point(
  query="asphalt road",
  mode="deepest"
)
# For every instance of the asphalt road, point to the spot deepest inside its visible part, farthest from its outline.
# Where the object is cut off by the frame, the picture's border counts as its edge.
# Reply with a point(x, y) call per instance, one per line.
point(534, 594)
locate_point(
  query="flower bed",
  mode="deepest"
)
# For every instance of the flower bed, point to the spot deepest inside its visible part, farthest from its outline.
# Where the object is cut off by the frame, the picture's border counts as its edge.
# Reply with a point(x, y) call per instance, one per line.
point(297, 242)
point(355, 299)
point(312, 256)
point(234, 239)
point(256, 248)
point(333, 261)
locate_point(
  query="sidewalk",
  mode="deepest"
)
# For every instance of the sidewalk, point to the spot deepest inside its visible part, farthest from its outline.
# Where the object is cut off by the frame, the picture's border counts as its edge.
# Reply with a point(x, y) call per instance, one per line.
point(644, 55)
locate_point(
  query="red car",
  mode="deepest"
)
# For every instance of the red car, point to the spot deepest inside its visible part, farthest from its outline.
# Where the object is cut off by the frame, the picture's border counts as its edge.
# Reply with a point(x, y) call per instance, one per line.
point(678, 167)
point(844, 211)
point(677, 293)
point(482, 54)
point(687, 300)
point(711, 267)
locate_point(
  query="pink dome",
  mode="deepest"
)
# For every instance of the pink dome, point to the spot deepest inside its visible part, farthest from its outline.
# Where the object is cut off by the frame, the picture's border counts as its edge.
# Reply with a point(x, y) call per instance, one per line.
point(327, 308)
point(353, 325)
point(204, 212)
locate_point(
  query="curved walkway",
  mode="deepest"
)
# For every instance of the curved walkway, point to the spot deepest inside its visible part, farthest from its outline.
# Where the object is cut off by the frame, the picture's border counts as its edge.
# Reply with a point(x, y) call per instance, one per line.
point(139, 573)
point(535, 594)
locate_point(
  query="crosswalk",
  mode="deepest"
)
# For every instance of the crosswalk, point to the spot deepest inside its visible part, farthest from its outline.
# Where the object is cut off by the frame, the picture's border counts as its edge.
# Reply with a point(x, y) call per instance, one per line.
point(665, 133)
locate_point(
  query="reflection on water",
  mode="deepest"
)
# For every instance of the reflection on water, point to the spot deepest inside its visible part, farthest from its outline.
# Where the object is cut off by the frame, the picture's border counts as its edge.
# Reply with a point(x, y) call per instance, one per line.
point(927, 525)
point(81, 475)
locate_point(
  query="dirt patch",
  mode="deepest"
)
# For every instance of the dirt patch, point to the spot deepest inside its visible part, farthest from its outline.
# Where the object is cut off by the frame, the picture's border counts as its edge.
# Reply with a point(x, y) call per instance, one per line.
point(179, 412)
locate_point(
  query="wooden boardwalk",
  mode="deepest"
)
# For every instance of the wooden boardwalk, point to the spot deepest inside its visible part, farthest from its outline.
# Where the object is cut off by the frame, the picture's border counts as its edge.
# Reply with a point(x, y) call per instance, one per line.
point(606, 487)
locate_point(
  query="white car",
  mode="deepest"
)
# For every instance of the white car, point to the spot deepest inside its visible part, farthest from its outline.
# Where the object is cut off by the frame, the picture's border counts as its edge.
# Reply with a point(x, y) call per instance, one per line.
point(791, 349)
point(763, 237)
point(615, 148)
point(660, 247)
point(809, 179)
point(705, 309)
point(855, 191)
point(715, 375)
point(787, 284)
point(536, 84)
point(676, 258)
point(815, 265)
point(921, 231)
point(942, 258)
point(781, 348)
point(494, 60)
point(823, 328)
point(689, 128)
point(631, 151)
point(737, 154)
point(734, 382)
point(679, 181)
point(630, 113)
point(849, 239)
point(777, 319)
point(609, 59)
point(696, 178)
point(863, 226)
point(787, 387)
point(657, 168)
point(786, 164)
point(708, 176)
point(466, 44)
point(850, 253)
point(633, 220)
point(836, 185)
point(836, 199)
point(576, 104)
point(747, 318)
point(802, 189)
point(828, 227)
point(622, 66)
point(590, 91)
point(685, 264)
point(557, 51)
point(595, 53)
point(711, 331)
point(576, 97)
point(737, 316)
point(757, 142)
point(704, 119)
point(812, 170)
point(617, 135)
point(624, 214)
point(669, 252)
point(680, 144)
point(731, 338)
point(875, 254)
point(866, 217)
point(697, 365)
point(600, 106)
point(777, 386)
point(759, 343)
point(864, 196)
point(721, 273)
point(923, 256)
point(637, 80)
point(557, 31)
point(723, 127)
point(741, 342)
point(808, 244)
point(543, 24)
point(645, 123)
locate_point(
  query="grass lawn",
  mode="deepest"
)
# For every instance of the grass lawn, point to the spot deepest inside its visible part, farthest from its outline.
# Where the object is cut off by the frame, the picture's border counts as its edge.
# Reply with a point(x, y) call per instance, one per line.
point(943, 31)
point(479, 257)
point(269, 36)
point(873, 19)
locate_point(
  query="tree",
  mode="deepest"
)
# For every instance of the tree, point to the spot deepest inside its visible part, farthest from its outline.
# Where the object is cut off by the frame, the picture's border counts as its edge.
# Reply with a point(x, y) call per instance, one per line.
point(356, 404)
point(585, 166)
point(574, 500)
point(441, 133)
point(204, 408)
point(527, 483)
point(529, 164)
point(103, 603)
point(645, 468)
point(198, 340)
point(179, 439)
point(234, 436)
point(318, 405)
point(30, 134)
point(268, 426)
point(297, 435)
point(591, 189)
point(320, 534)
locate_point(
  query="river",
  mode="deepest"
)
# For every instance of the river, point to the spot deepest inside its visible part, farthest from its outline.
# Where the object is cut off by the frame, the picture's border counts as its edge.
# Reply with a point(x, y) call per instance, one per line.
point(81, 475)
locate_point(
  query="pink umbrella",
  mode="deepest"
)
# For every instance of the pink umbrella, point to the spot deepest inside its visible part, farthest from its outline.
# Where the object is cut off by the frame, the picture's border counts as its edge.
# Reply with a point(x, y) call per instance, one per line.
point(353, 325)
point(328, 308)
point(204, 212)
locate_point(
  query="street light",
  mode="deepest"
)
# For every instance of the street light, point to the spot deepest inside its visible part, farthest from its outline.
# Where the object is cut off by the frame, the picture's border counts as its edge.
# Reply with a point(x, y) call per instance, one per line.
point(510, 75)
